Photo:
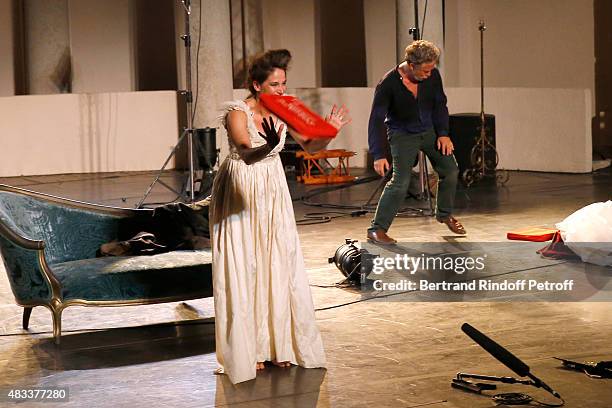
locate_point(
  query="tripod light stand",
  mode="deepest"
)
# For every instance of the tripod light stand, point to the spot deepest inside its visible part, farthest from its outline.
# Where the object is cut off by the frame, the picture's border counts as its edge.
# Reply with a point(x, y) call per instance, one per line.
point(188, 131)
point(424, 191)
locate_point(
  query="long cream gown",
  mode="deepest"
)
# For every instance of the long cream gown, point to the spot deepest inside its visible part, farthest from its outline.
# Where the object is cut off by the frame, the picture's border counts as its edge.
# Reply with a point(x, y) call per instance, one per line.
point(263, 304)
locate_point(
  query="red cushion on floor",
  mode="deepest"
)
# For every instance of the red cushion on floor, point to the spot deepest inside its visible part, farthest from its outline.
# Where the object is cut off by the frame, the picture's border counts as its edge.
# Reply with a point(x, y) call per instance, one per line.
point(557, 249)
point(535, 234)
point(298, 116)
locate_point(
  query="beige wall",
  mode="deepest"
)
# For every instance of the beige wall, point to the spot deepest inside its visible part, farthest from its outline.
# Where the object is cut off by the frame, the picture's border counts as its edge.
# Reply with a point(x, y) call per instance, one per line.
point(539, 129)
point(102, 45)
point(114, 131)
point(7, 74)
point(86, 133)
point(291, 24)
point(528, 44)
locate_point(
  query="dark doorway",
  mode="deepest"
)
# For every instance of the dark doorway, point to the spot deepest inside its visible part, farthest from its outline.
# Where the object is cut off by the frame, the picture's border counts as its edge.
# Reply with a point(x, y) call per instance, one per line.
point(602, 123)
point(155, 45)
point(19, 62)
point(342, 43)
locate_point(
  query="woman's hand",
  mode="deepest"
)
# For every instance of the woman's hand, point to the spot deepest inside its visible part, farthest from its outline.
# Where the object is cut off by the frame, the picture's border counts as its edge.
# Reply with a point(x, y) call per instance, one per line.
point(338, 117)
point(271, 135)
point(237, 128)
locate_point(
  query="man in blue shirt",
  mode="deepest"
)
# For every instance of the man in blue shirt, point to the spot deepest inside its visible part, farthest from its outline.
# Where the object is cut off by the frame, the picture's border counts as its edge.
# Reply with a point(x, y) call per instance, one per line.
point(410, 103)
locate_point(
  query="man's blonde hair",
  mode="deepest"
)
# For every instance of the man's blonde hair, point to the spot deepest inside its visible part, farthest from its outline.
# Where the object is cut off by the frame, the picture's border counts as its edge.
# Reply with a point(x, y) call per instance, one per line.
point(422, 52)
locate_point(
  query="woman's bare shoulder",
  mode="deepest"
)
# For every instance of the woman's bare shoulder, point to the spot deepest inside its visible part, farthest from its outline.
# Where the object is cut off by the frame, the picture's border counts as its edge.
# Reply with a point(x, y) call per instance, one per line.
point(236, 115)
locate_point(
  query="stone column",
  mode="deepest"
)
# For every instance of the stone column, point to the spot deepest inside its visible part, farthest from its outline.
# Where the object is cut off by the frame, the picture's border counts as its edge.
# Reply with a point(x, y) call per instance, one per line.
point(213, 83)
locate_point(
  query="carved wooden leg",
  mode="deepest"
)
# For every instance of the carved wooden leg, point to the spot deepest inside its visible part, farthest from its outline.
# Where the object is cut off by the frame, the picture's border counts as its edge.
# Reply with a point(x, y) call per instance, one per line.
point(57, 324)
point(27, 311)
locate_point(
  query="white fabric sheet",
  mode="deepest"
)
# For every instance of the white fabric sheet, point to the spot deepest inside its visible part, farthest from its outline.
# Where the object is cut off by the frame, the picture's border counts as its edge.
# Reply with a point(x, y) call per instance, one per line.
point(588, 232)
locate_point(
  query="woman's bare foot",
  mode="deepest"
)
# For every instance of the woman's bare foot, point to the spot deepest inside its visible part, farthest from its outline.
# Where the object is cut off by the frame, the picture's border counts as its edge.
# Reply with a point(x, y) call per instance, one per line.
point(260, 366)
point(283, 364)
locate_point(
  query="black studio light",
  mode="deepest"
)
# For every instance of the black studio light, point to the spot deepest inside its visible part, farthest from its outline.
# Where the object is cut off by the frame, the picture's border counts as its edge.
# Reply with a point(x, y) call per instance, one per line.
point(354, 262)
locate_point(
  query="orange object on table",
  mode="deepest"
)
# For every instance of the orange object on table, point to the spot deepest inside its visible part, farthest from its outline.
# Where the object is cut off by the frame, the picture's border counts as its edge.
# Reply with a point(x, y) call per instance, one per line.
point(298, 116)
point(328, 174)
point(535, 234)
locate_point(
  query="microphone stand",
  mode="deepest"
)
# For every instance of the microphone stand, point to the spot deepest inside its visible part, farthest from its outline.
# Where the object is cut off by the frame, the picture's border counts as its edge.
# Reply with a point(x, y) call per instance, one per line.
point(460, 382)
point(483, 156)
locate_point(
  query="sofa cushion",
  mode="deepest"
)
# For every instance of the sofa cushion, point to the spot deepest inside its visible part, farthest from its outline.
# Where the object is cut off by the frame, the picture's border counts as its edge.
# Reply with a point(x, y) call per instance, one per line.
point(177, 273)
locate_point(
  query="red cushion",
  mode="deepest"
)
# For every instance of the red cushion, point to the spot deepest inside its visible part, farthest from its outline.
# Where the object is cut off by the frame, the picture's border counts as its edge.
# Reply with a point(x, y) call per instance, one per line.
point(557, 249)
point(298, 116)
point(536, 234)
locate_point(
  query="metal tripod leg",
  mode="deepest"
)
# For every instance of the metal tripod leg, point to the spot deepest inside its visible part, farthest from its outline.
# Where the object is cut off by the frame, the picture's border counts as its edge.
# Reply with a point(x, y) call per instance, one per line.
point(424, 181)
point(189, 129)
point(383, 181)
point(159, 173)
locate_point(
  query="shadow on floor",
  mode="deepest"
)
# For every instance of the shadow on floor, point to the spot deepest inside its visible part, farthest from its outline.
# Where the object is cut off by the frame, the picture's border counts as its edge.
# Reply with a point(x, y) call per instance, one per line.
point(287, 387)
point(127, 346)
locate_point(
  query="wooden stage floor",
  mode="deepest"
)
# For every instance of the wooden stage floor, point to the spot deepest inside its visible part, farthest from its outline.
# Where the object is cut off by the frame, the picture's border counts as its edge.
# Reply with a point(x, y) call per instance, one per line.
point(388, 352)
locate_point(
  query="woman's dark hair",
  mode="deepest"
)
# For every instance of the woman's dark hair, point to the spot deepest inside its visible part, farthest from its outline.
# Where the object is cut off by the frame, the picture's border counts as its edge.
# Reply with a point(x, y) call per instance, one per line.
point(262, 66)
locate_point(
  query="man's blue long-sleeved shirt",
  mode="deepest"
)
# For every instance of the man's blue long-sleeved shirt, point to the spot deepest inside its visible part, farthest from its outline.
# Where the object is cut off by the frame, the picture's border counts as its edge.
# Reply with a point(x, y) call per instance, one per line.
point(395, 107)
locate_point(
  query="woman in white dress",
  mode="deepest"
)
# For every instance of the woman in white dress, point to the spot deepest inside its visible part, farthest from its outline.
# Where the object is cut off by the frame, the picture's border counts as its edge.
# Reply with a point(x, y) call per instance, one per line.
point(263, 305)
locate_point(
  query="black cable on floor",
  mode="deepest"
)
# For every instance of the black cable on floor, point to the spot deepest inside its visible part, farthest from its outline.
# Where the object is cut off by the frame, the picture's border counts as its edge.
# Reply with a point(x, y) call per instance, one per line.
point(305, 199)
point(357, 210)
point(519, 398)
point(327, 216)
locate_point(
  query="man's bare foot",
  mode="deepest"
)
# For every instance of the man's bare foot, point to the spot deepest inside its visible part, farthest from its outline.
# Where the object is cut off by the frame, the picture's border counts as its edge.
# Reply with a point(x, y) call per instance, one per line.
point(283, 364)
point(260, 366)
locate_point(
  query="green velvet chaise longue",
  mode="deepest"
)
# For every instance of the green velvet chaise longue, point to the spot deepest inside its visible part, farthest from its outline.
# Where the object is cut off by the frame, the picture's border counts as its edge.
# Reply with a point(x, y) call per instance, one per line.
point(48, 245)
